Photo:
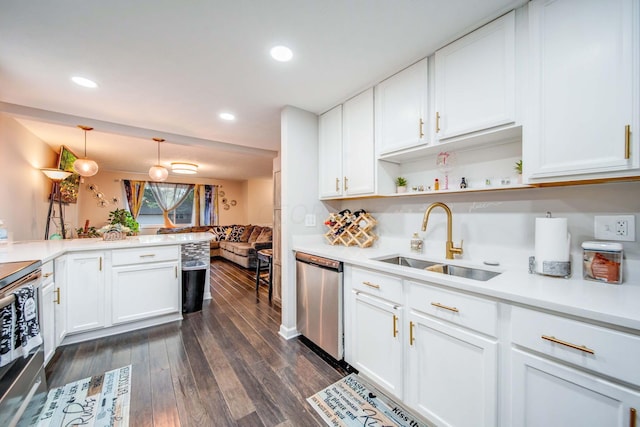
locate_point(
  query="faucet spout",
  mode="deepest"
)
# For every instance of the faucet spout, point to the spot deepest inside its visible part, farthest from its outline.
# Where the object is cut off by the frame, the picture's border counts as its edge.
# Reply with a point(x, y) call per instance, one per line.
point(450, 249)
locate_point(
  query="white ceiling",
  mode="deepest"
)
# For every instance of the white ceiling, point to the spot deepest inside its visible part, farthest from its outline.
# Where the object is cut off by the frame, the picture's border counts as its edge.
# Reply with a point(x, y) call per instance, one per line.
point(167, 68)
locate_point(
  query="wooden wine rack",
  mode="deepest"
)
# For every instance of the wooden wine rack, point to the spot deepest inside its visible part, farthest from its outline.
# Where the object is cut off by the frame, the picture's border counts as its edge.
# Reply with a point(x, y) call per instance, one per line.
point(351, 230)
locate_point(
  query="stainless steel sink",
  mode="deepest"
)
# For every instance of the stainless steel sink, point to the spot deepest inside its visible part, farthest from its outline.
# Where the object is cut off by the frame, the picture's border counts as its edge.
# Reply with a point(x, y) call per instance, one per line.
point(436, 267)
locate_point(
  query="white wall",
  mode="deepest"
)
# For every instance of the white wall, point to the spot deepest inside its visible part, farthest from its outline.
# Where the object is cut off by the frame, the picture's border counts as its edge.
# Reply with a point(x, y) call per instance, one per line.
point(260, 201)
point(299, 160)
point(25, 189)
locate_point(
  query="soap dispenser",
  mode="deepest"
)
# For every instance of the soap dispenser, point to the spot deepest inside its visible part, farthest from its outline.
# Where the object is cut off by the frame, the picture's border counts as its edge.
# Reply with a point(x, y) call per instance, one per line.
point(416, 243)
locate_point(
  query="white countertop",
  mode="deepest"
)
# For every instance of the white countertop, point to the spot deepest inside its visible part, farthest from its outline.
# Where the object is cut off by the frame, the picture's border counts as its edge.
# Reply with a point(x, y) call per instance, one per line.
point(614, 304)
point(45, 250)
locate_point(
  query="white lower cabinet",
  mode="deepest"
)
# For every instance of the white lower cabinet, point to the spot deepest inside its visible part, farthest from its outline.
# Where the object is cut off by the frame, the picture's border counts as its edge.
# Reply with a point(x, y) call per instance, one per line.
point(545, 393)
point(453, 373)
point(60, 299)
point(85, 291)
point(142, 291)
point(47, 320)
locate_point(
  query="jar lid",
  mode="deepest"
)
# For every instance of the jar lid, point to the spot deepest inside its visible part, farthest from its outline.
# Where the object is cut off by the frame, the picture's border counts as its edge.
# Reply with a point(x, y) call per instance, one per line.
point(602, 246)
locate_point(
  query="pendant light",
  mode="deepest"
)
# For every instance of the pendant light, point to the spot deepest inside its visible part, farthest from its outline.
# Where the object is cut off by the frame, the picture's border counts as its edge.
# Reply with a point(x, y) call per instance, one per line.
point(85, 166)
point(158, 172)
point(184, 168)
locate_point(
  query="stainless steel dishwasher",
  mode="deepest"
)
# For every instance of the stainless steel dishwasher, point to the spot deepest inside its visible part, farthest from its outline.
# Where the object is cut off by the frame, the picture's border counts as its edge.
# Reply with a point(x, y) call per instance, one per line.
point(319, 308)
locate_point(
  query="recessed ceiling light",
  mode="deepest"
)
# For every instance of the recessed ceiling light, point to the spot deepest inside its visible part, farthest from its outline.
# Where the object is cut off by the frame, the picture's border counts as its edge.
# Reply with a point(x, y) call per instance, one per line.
point(281, 53)
point(227, 116)
point(81, 81)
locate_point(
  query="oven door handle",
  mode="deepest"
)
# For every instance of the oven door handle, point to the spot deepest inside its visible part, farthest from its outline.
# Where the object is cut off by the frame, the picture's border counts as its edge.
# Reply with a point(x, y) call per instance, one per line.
point(8, 300)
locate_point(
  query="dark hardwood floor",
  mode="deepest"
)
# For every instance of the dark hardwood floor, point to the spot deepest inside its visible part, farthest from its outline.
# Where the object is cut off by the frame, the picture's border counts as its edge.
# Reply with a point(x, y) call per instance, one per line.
point(223, 366)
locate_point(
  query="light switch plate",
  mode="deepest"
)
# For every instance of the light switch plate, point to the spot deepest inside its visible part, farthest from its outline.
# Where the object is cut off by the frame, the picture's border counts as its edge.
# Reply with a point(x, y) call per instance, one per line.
point(615, 227)
point(309, 220)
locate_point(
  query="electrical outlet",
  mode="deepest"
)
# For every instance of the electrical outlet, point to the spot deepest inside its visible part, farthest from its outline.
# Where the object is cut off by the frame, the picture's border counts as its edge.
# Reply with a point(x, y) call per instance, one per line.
point(615, 227)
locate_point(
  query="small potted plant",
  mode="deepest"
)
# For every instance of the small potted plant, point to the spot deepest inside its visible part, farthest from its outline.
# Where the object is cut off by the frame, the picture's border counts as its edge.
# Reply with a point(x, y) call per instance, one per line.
point(401, 185)
point(124, 218)
point(518, 168)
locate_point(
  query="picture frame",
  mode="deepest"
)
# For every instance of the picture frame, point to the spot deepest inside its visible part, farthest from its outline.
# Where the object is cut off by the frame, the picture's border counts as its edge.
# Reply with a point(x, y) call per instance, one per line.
point(69, 186)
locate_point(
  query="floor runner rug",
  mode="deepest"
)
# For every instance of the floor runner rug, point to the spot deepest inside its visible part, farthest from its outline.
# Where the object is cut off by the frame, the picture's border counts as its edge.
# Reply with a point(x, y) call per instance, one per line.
point(98, 401)
point(353, 402)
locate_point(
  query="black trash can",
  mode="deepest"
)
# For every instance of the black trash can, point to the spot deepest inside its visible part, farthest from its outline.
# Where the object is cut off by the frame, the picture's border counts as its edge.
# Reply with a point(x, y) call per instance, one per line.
point(194, 274)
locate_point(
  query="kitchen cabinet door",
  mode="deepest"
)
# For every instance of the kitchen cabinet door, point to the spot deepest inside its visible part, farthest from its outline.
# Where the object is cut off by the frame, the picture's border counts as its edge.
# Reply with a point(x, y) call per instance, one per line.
point(144, 291)
point(545, 393)
point(60, 297)
point(401, 109)
point(85, 297)
point(475, 80)
point(357, 145)
point(376, 341)
point(453, 373)
point(584, 80)
point(330, 180)
point(47, 320)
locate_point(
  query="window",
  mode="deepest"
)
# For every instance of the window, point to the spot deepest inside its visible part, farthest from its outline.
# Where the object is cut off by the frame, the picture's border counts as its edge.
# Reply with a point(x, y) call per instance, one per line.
point(151, 214)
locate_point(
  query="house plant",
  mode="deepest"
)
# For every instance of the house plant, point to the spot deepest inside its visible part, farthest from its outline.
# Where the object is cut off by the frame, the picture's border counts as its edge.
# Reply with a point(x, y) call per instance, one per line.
point(518, 168)
point(125, 219)
point(401, 185)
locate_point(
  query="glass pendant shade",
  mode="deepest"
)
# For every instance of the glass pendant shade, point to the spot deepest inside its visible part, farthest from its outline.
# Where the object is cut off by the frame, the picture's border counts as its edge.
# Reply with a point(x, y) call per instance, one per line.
point(85, 166)
point(184, 168)
point(158, 172)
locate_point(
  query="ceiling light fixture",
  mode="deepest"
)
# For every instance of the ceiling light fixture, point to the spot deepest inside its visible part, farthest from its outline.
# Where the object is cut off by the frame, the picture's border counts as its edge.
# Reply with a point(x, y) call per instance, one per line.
point(281, 53)
point(158, 172)
point(85, 166)
point(227, 116)
point(84, 82)
point(185, 168)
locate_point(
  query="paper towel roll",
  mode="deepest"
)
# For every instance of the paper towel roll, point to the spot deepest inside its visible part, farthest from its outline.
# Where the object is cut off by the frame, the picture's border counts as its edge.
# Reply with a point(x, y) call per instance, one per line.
point(552, 241)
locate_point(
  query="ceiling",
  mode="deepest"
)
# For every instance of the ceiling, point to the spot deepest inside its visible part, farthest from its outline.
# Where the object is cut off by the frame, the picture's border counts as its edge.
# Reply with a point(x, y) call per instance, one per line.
point(167, 69)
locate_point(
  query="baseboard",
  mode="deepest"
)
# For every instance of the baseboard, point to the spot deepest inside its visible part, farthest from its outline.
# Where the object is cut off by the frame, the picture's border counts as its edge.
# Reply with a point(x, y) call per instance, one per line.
point(288, 333)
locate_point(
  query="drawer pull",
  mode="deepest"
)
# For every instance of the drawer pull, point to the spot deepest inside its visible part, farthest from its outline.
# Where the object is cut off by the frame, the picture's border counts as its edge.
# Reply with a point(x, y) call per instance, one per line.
point(337, 184)
point(437, 304)
point(371, 285)
point(568, 344)
point(627, 141)
point(411, 339)
point(45, 275)
point(395, 326)
point(632, 417)
point(57, 300)
point(147, 256)
point(420, 132)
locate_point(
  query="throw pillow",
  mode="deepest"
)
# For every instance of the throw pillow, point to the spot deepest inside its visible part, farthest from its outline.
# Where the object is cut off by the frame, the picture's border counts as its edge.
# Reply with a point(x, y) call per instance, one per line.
point(255, 233)
point(235, 233)
point(220, 231)
point(265, 235)
point(244, 237)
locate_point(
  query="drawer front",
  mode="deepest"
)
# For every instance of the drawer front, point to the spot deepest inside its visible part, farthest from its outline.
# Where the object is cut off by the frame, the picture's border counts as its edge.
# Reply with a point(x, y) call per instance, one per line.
point(378, 284)
point(597, 348)
point(145, 255)
point(47, 272)
point(475, 313)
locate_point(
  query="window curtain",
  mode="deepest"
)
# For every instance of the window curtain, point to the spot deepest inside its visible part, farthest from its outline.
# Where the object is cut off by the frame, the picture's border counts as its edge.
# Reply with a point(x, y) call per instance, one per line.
point(169, 196)
point(210, 214)
point(135, 194)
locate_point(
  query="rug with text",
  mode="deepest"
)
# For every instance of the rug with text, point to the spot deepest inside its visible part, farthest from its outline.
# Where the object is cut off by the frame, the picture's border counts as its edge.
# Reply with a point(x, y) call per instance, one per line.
point(352, 402)
point(98, 401)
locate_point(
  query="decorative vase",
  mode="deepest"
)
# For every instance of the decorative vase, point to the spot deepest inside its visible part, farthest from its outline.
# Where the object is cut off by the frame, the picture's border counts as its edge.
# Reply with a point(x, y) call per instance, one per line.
point(402, 189)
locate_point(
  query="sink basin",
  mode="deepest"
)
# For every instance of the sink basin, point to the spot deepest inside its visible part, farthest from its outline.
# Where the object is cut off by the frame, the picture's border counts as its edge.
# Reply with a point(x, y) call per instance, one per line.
point(436, 267)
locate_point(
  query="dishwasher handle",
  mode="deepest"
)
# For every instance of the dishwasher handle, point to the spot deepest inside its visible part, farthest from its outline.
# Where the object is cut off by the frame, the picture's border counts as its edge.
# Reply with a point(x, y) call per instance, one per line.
point(319, 261)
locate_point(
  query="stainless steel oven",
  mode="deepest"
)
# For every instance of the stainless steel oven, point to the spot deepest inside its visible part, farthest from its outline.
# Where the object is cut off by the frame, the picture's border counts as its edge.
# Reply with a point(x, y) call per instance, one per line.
point(23, 387)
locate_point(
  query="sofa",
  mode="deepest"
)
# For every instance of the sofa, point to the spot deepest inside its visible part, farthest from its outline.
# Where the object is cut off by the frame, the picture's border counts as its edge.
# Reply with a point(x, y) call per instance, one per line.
point(237, 243)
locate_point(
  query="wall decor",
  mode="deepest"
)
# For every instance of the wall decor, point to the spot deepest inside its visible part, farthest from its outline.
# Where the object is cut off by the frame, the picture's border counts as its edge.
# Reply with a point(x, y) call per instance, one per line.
point(99, 195)
point(69, 186)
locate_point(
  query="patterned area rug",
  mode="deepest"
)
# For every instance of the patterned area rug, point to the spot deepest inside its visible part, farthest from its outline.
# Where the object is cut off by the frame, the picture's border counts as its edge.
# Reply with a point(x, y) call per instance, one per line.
point(98, 401)
point(352, 402)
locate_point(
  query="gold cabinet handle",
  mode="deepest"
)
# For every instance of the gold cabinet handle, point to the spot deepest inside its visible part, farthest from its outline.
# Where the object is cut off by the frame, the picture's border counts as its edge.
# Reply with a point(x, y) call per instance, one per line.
point(420, 129)
point(346, 183)
point(437, 122)
point(395, 326)
point(568, 344)
point(632, 417)
point(371, 285)
point(147, 256)
point(446, 307)
point(627, 141)
point(337, 184)
point(175, 268)
point(100, 263)
point(45, 275)
point(57, 300)
point(411, 339)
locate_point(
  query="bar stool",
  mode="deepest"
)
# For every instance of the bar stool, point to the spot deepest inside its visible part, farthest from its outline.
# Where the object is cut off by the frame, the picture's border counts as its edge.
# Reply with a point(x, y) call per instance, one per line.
point(264, 257)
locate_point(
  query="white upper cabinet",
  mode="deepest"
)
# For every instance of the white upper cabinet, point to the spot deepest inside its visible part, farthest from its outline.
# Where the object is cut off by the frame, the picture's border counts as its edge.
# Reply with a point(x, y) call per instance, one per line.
point(583, 116)
point(330, 153)
point(475, 80)
point(346, 148)
point(401, 110)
